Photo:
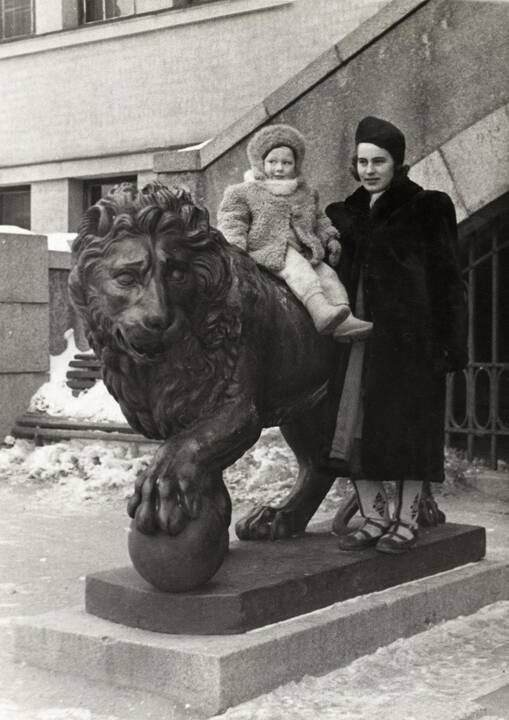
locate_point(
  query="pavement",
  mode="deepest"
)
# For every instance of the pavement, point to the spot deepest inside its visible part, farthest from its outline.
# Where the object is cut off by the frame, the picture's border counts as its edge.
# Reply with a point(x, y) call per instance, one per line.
point(47, 547)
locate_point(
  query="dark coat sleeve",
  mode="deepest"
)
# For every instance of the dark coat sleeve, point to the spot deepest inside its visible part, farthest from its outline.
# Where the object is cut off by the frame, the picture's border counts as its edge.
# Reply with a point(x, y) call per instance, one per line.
point(447, 290)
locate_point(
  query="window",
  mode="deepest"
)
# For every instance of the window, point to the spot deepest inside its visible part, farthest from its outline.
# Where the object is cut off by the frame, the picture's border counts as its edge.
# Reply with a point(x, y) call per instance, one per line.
point(97, 188)
point(16, 18)
point(15, 206)
point(98, 10)
point(94, 10)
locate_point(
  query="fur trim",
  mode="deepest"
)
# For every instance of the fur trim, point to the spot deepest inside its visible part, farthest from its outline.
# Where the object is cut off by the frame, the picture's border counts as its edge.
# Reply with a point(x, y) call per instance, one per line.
point(282, 187)
point(276, 187)
point(272, 136)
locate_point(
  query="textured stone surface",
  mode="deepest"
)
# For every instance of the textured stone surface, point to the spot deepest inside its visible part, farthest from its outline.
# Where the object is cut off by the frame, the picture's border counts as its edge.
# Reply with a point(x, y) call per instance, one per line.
point(376, 26)
point(432, 174)
point(303, 81)
point(263, 583)
point(233, 134)
point(212, 673)
point(61, 314)
point(23, 268)
point(24, 329)
point(176, 161)
point(16, 389)
point(488, 142)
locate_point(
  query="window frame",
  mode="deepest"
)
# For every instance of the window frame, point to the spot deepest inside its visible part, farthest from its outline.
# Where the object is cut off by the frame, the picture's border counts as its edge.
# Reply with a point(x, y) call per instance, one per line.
point(104, 18)
point(31, 30)
point(7, 190)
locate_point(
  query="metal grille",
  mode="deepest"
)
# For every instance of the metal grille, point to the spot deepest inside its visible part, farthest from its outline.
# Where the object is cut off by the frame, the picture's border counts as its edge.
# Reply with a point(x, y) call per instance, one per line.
point(477, 400)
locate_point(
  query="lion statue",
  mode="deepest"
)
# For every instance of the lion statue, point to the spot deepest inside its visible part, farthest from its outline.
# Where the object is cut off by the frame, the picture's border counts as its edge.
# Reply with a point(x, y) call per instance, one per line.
point(202, 349)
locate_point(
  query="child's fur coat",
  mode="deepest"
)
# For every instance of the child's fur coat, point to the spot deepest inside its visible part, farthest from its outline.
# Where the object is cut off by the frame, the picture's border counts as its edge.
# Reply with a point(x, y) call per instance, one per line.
point(265, 216)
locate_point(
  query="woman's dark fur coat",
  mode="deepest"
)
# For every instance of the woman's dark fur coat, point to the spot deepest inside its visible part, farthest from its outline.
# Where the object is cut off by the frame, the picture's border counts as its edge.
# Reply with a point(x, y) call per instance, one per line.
point(406, 246)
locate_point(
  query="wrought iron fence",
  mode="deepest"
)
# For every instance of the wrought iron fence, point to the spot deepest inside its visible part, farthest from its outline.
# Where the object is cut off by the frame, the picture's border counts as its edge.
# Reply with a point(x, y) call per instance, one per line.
point(477, 400)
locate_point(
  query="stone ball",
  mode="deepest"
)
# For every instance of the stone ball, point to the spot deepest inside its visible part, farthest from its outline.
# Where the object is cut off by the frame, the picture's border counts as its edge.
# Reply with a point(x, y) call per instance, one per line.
point(178, 563)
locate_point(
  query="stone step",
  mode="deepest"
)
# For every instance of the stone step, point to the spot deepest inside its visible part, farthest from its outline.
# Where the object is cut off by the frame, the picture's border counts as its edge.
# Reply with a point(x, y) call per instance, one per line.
point(91, 363)
point(80, 385)
point(46, 428)
point(208, 674)
point(86, 370)
point(84, 374)
point(86, 356)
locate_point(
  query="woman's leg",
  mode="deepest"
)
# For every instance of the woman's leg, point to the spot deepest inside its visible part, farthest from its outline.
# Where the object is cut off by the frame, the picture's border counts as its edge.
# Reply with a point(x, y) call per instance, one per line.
point(402, 534)
point(374, 508)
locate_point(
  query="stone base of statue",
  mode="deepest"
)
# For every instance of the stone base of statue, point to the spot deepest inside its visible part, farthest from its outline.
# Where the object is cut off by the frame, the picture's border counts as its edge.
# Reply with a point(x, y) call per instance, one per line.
point(294, 596)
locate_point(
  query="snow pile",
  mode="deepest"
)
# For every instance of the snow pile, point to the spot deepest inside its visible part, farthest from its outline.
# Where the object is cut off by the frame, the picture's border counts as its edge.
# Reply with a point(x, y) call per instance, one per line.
point(55, 398)
point(80, 470)
point(76, 470)
point(60, 242)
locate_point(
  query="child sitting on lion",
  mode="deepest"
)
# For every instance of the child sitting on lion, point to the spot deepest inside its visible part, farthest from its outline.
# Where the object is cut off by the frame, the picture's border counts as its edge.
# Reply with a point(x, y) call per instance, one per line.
point(274, 216)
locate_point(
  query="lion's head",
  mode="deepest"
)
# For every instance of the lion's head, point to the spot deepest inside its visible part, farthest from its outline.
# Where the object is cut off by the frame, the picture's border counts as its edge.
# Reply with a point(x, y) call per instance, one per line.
point(150, 272)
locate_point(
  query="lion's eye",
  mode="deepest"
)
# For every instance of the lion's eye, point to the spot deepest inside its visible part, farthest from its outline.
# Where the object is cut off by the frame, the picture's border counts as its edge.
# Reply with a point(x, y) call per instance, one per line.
point(177, 275)
point(125, 279)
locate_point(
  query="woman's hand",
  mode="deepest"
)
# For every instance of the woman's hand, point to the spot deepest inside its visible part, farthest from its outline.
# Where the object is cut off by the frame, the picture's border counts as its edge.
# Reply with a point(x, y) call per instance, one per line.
point(334, 251)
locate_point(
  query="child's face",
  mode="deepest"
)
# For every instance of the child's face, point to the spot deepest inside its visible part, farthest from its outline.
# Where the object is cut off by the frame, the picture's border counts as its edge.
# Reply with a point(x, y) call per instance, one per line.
point(279, 163)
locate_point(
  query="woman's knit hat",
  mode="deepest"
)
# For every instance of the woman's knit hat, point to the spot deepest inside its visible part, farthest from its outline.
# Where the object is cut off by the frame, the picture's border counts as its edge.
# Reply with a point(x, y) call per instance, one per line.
point(270, 137)
point(384, 134)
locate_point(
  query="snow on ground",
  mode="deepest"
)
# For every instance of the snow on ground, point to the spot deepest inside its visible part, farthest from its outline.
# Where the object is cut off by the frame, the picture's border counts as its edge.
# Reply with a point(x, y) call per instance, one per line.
point(435, 674)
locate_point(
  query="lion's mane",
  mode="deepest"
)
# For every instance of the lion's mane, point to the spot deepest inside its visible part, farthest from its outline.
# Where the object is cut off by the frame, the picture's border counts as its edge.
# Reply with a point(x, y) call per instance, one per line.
point(188, 377)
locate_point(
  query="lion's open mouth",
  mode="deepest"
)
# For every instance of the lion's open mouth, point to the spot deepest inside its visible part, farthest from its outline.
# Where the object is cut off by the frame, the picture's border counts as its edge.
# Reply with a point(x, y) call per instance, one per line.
point(149, 352)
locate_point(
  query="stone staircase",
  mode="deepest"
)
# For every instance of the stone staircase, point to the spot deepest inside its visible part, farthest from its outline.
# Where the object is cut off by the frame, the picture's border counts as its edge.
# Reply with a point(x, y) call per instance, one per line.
point(84, 371)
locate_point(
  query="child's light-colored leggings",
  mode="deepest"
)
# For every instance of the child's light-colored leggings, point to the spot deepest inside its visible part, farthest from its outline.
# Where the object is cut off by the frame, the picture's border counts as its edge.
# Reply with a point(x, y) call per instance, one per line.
point(306, 280)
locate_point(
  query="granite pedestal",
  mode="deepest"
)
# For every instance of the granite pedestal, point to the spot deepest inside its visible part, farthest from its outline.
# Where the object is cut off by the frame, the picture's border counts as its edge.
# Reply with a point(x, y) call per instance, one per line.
point(209, 673)
point(261, 583)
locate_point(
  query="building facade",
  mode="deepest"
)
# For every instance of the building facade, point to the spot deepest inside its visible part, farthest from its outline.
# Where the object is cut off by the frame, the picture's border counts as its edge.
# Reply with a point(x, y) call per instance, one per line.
point(92, 88)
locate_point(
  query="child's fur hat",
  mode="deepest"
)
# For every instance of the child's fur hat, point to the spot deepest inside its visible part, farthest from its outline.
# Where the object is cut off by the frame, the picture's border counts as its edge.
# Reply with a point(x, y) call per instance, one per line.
point(267, 139)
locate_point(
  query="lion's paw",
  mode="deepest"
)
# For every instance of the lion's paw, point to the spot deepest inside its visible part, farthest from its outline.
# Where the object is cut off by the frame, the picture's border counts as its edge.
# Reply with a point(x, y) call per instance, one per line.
point(267, 523)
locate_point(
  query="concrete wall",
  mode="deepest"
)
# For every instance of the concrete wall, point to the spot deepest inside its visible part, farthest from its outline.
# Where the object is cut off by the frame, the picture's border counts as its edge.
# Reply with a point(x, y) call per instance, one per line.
point(24, 323)
point(56, 205)
point(437, 68)
point(160, 80)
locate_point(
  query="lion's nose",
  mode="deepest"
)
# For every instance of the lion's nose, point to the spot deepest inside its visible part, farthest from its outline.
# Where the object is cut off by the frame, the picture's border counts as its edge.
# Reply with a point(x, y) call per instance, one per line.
point(157, 323)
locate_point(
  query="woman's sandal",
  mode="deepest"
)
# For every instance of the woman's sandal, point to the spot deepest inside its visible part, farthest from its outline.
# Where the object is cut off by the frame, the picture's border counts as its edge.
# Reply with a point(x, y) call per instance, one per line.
point(362, 538)
point(394, 543)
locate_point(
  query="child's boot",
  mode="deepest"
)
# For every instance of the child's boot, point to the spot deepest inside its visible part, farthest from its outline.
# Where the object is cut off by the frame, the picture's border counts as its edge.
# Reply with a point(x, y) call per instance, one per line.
point(352, 329)
point(325, 316)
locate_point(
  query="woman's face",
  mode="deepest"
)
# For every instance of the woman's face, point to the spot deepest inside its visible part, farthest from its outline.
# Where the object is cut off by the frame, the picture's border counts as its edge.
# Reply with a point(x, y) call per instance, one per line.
point(375, 167)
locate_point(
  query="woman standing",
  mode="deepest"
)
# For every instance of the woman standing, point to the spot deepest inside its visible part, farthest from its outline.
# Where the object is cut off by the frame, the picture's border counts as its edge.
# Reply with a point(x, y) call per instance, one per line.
point(401, 269)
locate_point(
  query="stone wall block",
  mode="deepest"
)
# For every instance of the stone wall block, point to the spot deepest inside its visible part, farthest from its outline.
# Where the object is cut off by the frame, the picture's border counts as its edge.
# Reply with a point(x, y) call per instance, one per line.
point(481, 182)
point(15, 393)
point(24, 333)
point(303, 81)
point(432, 174)
point(23, 268)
